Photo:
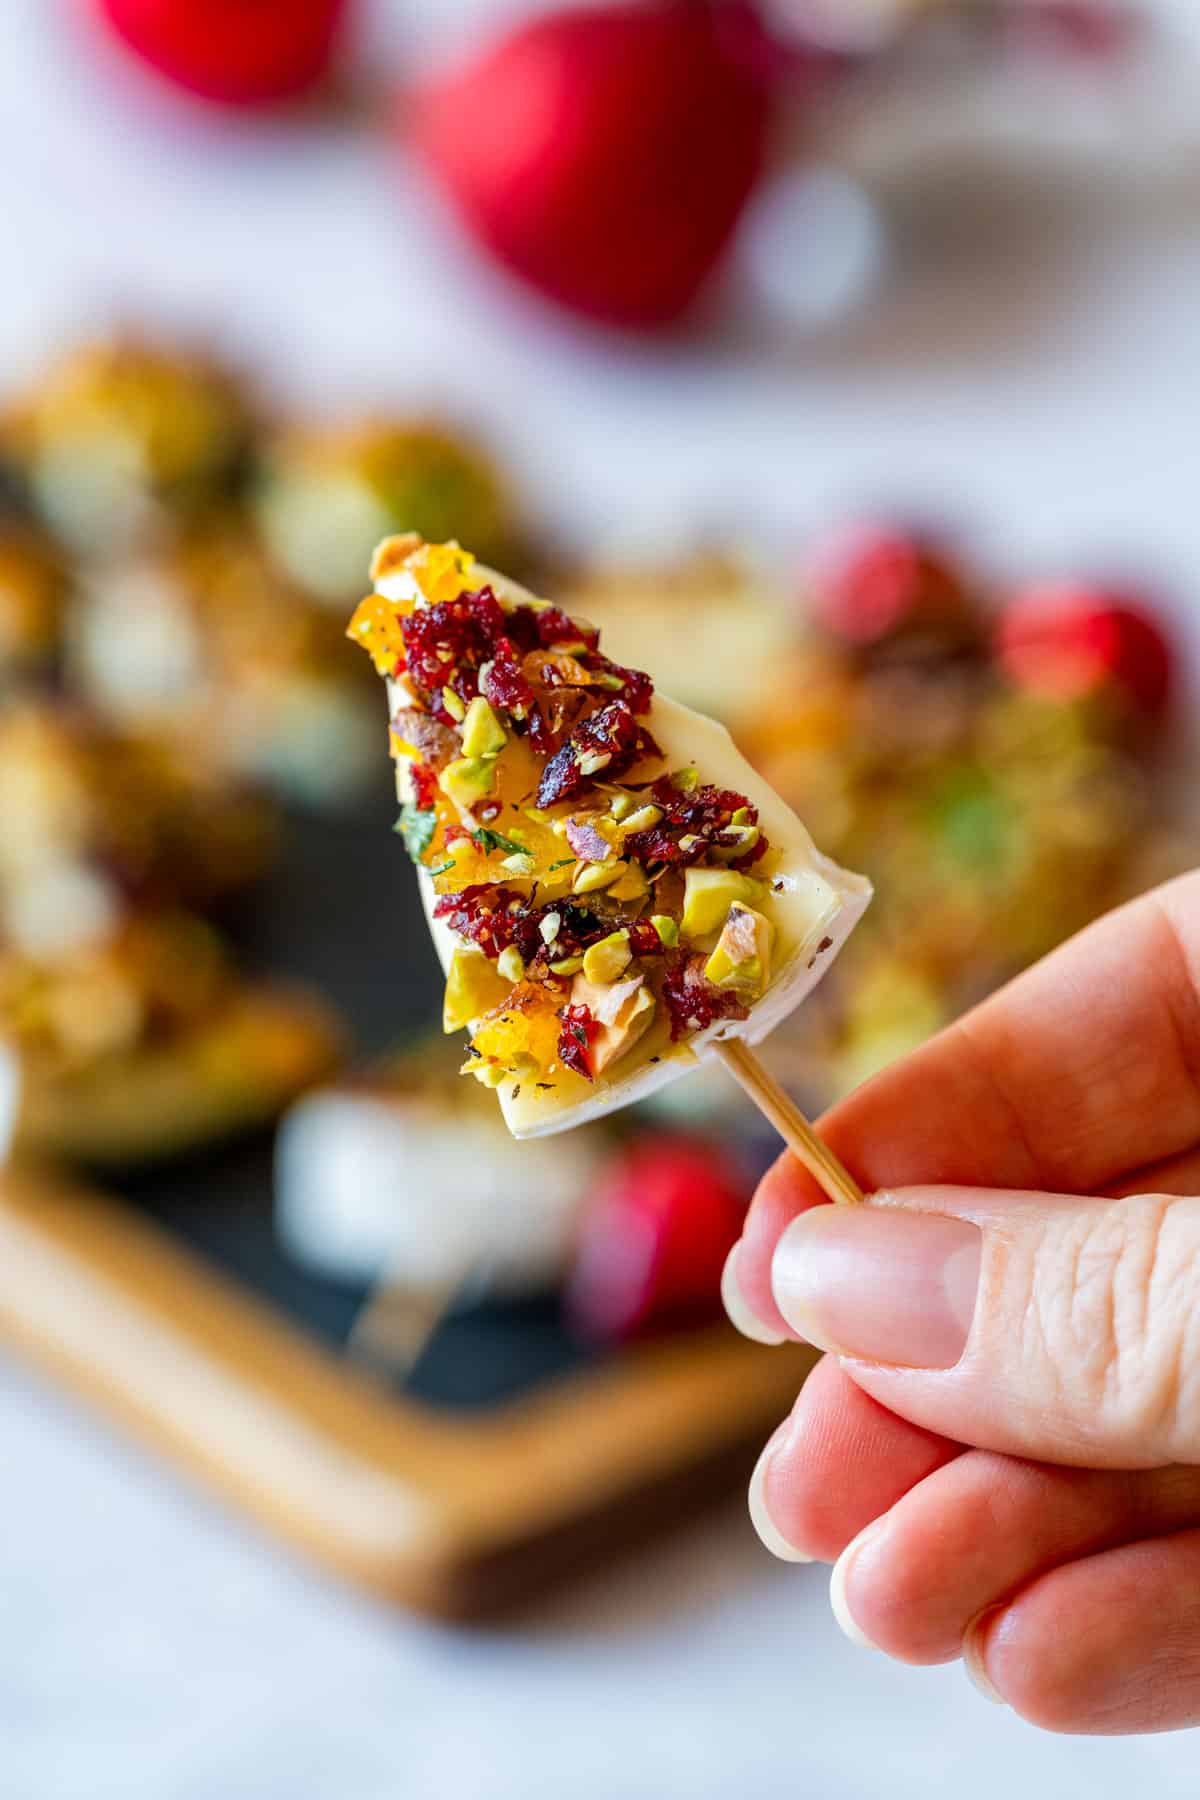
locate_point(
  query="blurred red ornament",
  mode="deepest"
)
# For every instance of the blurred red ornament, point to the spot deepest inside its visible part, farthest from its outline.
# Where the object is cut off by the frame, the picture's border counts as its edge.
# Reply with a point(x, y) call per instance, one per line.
point(605, 154)
point(236, 52)
point(654, 1239)
point(1069, 639)
point(870, 583)
point(1090, 31)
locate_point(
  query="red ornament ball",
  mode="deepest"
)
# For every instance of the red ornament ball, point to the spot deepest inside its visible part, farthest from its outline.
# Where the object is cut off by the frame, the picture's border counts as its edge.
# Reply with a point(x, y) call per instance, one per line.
point(871, 583)
point(234, 52)
point(603, 154)
point(1069, 640)
point(654, 1239)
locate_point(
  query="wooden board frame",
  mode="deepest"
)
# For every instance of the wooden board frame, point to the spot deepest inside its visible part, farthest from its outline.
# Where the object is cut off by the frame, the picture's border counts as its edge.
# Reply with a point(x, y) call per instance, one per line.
point(450, 1513)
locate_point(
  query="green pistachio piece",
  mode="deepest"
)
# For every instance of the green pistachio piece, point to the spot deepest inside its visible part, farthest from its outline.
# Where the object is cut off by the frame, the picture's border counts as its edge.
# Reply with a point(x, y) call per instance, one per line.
point(643, 819)
point(609, 958)
point(482, 732)
point(708, 895)
point(511, 964)
point(745, 837)
point(468, 780)
point(742, 957)
point(597, 875)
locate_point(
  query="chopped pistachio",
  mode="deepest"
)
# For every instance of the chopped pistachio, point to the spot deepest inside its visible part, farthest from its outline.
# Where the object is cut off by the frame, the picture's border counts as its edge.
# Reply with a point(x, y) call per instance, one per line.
point(643, 819)
point(667, 929)
point(744, 839)
point(609, 958)
point(468, 780)
point(549, 926)
point(537, 815)
point(602, 679)
point(520, 864)
point(597, 875)
point(708, 895)
point(570, 965)
point(511, 964)
point(453, 704)
point(686, 780)
point(742, 958)
point(482, 732)
point(742, 816)
point(594, 761)
point(621, 805)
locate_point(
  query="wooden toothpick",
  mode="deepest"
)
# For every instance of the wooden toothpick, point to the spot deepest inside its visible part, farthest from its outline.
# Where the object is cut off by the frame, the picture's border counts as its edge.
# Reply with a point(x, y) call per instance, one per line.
point(783, 1113)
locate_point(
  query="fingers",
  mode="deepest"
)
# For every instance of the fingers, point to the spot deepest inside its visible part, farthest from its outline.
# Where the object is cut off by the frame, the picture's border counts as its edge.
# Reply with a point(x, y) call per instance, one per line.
point(1041, 1325)
point(837, 1463)
point(1130, 1660)
point(980, 1530)
point(784, 1191)
point(1084, 1068)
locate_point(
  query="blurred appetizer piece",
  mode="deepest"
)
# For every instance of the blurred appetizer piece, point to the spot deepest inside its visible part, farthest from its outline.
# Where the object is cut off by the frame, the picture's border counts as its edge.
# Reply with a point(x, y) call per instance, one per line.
point(407, 1175)
point(32, 594)
point(719, 624)
point(610, 886)
point(119, 438)
point(95, 817)
point(999, 772)
point(139, 1041)
point(203, 642)
point(330, 494)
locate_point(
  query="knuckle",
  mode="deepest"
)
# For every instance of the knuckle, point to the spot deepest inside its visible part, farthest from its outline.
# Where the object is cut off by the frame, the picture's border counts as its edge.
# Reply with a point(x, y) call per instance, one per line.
point(1116, 1320)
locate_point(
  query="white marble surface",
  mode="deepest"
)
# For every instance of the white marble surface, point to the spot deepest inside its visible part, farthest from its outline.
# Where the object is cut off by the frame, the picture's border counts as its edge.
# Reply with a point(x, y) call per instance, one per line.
point(151, 1648)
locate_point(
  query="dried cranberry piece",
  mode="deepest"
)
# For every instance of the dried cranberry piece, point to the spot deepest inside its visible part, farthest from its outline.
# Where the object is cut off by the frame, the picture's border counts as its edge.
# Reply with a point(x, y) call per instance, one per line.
point(693, 1003)
point(577, 929)
point(612, 734)
point(691, 824)
point(639, 689)
point(557, 627)
point(481, 915)
point(504, 685)
point(578, 1030)
point(644, 939)
point(425, 785)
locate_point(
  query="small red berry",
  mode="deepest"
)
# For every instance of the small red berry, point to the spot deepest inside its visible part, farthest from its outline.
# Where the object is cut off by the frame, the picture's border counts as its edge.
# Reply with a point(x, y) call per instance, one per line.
point(236, 52)
point(1071, 639)
point(868, 584)
point(654, 1239)
point(604, 154)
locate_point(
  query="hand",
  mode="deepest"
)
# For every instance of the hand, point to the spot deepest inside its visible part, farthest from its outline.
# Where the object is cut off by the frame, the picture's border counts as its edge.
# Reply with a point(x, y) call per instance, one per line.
point(1002, 1447)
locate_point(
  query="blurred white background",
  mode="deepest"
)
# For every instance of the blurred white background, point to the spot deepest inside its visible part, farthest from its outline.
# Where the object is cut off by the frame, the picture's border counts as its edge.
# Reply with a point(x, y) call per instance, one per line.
point(1035, 381)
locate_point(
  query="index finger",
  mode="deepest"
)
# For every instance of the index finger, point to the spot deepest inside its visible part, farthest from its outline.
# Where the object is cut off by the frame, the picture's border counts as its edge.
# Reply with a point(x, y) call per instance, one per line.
point(1079, 1071)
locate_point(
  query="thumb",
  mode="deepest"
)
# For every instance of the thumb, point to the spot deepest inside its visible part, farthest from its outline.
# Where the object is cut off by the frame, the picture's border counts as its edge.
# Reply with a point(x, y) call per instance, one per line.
point(1041, 1325)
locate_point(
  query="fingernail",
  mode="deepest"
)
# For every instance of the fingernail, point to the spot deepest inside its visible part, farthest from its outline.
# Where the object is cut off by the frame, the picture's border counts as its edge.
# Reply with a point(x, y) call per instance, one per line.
point(738, 1307)
point(879, 1283)
point(760, 1515)
point(837, 1588)
point(973, 1663)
